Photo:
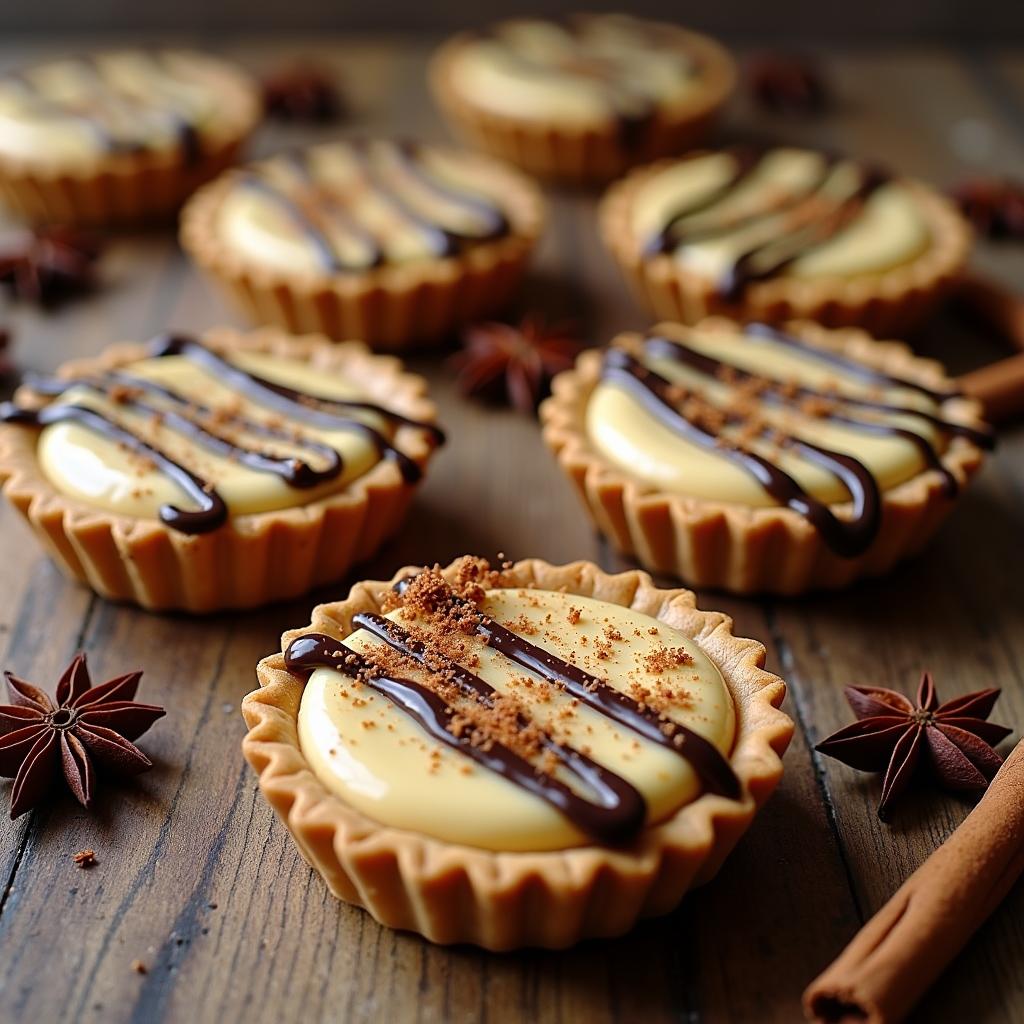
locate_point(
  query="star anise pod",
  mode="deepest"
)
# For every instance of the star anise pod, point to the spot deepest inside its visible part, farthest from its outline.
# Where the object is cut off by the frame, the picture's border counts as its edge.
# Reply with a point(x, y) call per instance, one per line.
point(514, 363)
point(897, 736)
point(995, 206)
point(787, 84)
point(86, 723)
point(300, 92)
point(49, 265)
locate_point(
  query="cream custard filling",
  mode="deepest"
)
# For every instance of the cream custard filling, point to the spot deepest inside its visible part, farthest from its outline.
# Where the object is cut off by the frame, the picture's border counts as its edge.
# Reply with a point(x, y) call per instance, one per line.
point(787, 212)
point(633, 438)
point(372, 754)
point(90, 107)
point(101, 471)
point(581, 75)
point(348, 207)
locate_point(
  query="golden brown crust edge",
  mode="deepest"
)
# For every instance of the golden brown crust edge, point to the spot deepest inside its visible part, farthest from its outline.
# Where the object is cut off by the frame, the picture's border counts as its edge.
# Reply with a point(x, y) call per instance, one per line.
point(390, 308)
point(737, 548)
point(450, 893)
point(558, 152)
point(254, 559)
point(890, 304)
point(131, 188)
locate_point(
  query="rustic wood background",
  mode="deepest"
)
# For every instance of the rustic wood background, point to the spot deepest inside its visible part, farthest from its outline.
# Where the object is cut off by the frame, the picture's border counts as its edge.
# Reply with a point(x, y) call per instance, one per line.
point(198, 881)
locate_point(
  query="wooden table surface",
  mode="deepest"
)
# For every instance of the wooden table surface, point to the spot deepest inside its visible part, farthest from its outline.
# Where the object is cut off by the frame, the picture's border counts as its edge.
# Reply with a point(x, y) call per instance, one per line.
point(198, 880)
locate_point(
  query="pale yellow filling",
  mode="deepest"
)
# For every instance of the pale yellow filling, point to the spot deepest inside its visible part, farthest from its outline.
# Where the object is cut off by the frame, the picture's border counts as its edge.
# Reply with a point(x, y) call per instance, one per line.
point(631, 437)
point(888, 231)
point(130, 98)
point(84, 464)
point(346, 207)
point(379, 761)
point(537, 70)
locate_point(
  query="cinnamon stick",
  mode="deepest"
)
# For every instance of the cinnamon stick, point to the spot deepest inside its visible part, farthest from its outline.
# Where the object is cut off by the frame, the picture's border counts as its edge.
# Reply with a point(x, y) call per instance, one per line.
point(999, 386)
point(997, 307)
point(900, 952)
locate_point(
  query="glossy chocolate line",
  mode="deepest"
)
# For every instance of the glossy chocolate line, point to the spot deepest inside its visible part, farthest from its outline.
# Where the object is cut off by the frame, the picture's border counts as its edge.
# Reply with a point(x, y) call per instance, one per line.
point(441, 240)
point(496, 223)
point(325, 251)
point(617, 801)
point(777, 393)
point(188, 137)
point(796, 241)
point(615, 823)
point(118, 387)
point(212, 511)
point(666, 239)
point(855, 368)
point(847, 538)
point(711, 767)
point(674, 349)
point(299, 405)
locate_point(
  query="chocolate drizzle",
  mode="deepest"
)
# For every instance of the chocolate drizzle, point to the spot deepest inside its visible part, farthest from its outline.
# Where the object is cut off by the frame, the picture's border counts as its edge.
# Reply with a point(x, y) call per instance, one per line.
point(98, 94)
point(122, 388)
point(315, 410)
point(668, 403)
point(605, 806)
point(195, 421)
point(633, 109)
point(391, 173)
point(618, 811)
point(808, 219)
point(211, 512)
point(710, 766)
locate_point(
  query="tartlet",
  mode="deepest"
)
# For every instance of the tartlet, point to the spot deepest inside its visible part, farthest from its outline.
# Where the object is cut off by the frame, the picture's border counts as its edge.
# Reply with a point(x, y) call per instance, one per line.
point(395, 243)
point(775, 234)
point(119, 137)
point(759, 460)
point(219, 473)
point(584, 99)
point(483, 799)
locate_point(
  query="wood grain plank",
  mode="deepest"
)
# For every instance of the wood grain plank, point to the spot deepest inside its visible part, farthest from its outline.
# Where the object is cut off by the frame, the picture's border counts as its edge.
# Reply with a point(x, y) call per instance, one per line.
point(956, 610)
point(199, 881)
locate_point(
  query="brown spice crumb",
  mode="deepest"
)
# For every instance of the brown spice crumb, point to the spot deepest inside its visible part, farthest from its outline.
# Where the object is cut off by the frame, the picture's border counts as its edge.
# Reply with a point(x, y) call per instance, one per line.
point(85, 858)
point(139, 967)
point(574, 615)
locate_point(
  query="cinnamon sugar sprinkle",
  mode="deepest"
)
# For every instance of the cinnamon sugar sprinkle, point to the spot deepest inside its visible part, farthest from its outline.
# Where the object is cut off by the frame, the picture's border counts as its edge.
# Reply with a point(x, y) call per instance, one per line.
point(442, 614)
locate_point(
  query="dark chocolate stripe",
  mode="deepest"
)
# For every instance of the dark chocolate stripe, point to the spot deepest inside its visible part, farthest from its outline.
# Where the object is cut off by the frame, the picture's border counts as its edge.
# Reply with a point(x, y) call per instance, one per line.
point(803, 236)
point(709, 764)
point(757, 263)
point(211, 513)
point(777, 393)
point(117, 386)
point(325, 251)
point(618, 810)
point(674, 349)
point(845, 537)
point(852, 366)
point(442, 240)
point(616, 823)
point(187, 135)
point(316, 410)
point(669, 236)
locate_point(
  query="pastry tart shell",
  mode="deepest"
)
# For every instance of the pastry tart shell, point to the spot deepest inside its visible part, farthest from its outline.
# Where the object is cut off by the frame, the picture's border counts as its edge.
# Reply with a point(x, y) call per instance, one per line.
point(740, 548)
point(890, 303)
point(393, 307)
point(125, 189)
point(454, 894)
point(592, 154)
point(253, 559)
